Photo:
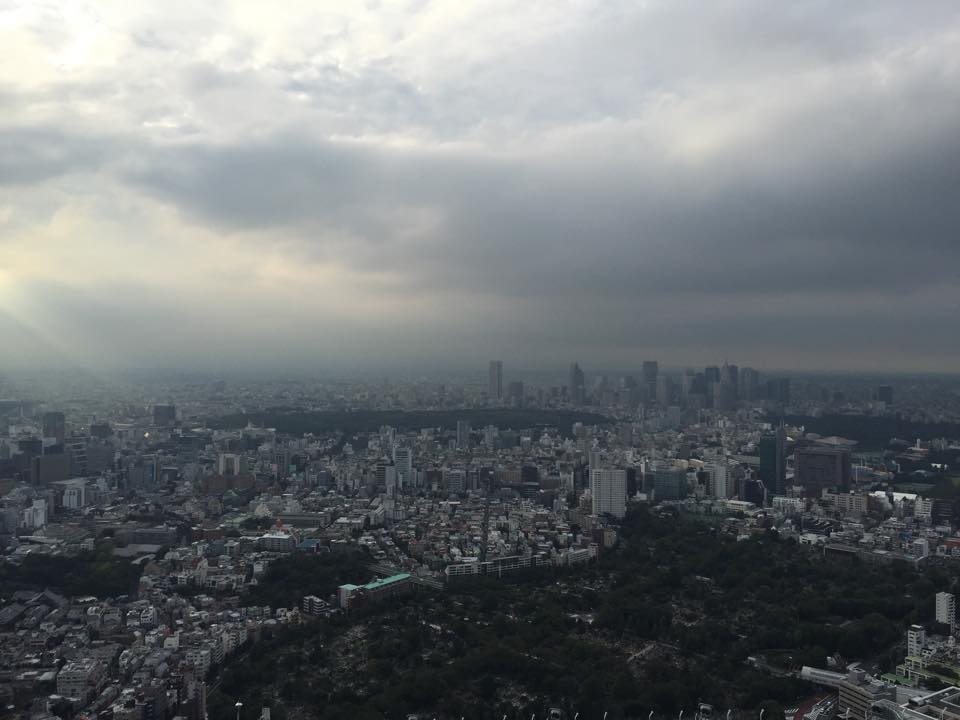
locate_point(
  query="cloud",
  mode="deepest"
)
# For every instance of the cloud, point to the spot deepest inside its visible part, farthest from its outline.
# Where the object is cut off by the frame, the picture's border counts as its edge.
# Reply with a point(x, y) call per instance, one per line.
point(774, 185)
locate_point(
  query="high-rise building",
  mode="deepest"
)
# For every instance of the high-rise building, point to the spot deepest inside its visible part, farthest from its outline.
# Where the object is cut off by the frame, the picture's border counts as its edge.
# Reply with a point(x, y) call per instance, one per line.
point(463, 435)
point(818, 468)
point(455, 480)
point(885, 394)
point(730, 375)
point(164, 415)
point(46, 469)
point(946, 609)
point(773, 461)
point(669, 483)
point(651, 369)
point(749, 384)
point(916, 639)
point(403, 461)
point(515, 393)
point(664, 390)
point(386, 476)
point(608, 490)
point(55, 426)
point(575, 388)
point(719, 474)
point(778, 391)
point(495, 382)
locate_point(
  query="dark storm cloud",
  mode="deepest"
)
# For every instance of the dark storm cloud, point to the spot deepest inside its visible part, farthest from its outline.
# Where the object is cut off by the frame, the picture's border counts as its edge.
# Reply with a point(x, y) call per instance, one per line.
point(839, 221)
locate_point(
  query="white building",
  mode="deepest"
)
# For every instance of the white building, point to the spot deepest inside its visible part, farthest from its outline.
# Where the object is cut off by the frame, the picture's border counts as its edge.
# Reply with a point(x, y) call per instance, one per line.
point(719, 480)
point(35, 516)
point(916, 638)
point(946, 609)
point(608, 490)
point(80, 678)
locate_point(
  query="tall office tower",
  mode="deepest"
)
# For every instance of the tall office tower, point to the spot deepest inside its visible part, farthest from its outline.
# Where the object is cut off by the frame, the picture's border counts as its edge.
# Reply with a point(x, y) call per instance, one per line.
point(778, 391)
point(575, 387)
point(403, 462)
point(651, 369)
point(608, 489)
point(455, 480)
point(946, 609)
point(47, 469)
point(724, 396)
point(773, 461)
point(650, 372)
point(818, 468)
point(664, 390)
point(711, 376)
point(164, 415)
point(515, 393)
point(490, 437)
point(386, 475)
point(76, 450)
point(55, 426)
point(669, 483)
point(720, 477)
point(730, 375)
point(749, 384)
point(495, 383)
point(463, 435)
point(686, 385)
point(885, 394)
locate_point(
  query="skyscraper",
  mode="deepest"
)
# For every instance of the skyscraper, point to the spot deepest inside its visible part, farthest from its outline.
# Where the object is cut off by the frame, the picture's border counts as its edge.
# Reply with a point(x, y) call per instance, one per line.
point(822, 467)
point(749, 384)
point(495, 383)
point(55, 426)
point(608, 489)
point(719, 480)
point(778, 391)
point(669, 483)
point(575, 387)
point(730, 376)
point(651, 369)
point(403, 461)
point(463, 435)
point(773, 461)
point(885, 394)
point(664, 390)
point(164, 415)
point(946, 609)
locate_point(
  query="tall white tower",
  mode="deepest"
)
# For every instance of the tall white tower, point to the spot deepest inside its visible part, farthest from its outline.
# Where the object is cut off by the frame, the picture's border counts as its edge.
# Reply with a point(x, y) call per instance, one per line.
point(946, 609)
point(608, 489)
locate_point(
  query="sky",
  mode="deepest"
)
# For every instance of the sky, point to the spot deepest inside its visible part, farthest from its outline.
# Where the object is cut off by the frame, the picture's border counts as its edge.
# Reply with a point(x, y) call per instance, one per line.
point(364, 185)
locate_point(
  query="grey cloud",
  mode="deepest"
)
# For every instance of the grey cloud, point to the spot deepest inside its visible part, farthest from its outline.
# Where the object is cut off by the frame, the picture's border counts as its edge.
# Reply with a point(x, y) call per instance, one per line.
point(825, 223)
point(30, 155)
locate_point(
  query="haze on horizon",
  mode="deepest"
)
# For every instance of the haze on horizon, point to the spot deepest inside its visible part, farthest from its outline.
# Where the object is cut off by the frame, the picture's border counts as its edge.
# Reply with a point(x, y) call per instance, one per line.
point(356, 185)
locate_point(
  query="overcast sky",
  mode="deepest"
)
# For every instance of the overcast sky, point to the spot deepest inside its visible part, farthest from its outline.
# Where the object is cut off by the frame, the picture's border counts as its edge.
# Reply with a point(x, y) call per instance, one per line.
point(377, 184)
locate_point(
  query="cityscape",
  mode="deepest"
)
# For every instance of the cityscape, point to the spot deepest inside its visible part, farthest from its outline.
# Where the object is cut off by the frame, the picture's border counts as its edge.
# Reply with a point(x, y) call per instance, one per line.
point(479, 360)
point(163, 539)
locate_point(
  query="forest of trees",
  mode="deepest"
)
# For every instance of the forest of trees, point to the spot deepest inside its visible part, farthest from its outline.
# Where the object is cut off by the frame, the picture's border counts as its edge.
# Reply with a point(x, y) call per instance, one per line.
point(670, 619)
point(89, 573)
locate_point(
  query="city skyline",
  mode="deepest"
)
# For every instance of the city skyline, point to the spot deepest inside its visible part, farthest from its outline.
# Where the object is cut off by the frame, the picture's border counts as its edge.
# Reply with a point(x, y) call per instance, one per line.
point(351, 187)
